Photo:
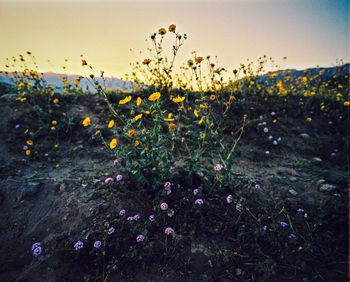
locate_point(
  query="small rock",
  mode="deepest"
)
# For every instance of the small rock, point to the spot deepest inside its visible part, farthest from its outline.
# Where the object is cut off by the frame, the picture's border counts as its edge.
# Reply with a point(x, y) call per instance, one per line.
point(103, 206)
point(287, 171)
point(94, 196)
point(316, 160)
point(78, 148)
point(293, 192)
point(327, 187)
point(29, 189)
point(293, 179)
point(319, 183)
point(305, 136)
point(61, 188)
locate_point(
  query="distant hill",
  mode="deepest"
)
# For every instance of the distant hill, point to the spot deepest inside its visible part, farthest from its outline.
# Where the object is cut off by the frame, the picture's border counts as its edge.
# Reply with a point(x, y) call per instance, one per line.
point(55, 79)
point(324, 72)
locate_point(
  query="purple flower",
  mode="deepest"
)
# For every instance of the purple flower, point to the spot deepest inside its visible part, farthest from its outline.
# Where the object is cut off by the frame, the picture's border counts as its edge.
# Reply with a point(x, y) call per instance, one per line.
point(168, 231)
point(109, 179)
point(116, 161)
point(266, 129)
point(239, 207)
point(25, 147)
point(37, 249)
point(97, 244)
point(35, 245)
point(195, 192)
point(17, 125)
point(257, 186)
point(119, 177)
point(140, 238)
point(136, 217)
point(275, 142)
point(292, 236)
point(152, 217)
point(167, 185)
point(163, 206)
point(264, 228)
point(218, 167)
point(199, 202)
point(229, 199)
point(273, 113)
point(130, 218)
point(122, 212)
point(110, 231)
point(283, 224)
point(300, 210)
point(78, 245)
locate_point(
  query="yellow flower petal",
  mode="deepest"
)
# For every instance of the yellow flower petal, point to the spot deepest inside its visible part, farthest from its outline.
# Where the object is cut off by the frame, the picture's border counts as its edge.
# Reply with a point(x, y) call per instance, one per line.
point(178, 99)
point(113, 144)
point(138, 101)
point(154, 97)
point(86, 121)
point(111, 123)
point(136, 118)
point(126, 100)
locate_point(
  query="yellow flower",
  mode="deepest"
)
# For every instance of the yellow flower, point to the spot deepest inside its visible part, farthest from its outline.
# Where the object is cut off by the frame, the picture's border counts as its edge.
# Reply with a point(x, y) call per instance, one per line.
point(113, 144)
point(86, 121)
point(28, 152)
point(212, 97)
point(172, 126)
point(131, 132)
point(136, 143)
point(198, 60)
point(200, 121)
point(172, 28)
point(136, 118)
point(98, 132)
point(346, 103)
point(111, 123)
point(154, 97)
point(30, 142)
point(304, 79)
point(56, 101)
point(195, 112)
point(202, 135)
point(54, 122)
point(178, 99)
point(202, 106)
point(162, 31)
point(138, 101)
point(309, 119)
point(53, 128)
point(169, 118)
point(126, 100)
point(146, 61)
point(232, 98)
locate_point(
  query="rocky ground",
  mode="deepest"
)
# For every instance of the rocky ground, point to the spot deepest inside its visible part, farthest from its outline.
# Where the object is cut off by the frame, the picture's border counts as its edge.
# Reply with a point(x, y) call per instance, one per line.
point(53, 200)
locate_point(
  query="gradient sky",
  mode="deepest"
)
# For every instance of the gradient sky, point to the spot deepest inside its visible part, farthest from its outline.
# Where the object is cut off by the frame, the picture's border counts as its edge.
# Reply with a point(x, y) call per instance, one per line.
point(308, 32)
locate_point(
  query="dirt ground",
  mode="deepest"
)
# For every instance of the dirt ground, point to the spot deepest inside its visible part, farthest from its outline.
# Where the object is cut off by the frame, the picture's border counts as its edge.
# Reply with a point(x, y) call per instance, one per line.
point(63, 199)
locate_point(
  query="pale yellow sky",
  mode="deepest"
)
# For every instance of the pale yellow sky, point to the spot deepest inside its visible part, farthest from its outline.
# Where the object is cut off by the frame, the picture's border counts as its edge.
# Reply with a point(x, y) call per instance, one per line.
point(308, 32)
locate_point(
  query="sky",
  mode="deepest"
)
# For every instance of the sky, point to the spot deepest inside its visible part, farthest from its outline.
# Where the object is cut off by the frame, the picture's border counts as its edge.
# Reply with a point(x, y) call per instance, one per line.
point(308, 32)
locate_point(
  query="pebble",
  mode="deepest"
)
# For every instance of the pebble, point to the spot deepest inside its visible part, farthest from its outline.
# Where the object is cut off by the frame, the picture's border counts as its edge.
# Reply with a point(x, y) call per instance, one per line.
point(29, 189)
point(327, 187)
